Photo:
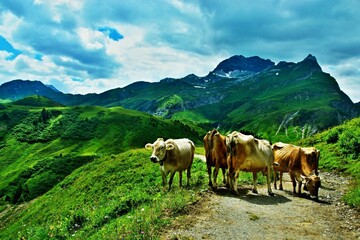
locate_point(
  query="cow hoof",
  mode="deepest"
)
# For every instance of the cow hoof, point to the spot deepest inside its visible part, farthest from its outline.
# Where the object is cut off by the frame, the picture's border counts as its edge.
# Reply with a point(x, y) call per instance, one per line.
point(255, 191)
point(271, 194)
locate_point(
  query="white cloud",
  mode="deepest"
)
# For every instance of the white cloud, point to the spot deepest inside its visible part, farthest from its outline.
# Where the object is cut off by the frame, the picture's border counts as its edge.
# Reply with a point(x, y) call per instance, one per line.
point(172, 39)
point(90, 39)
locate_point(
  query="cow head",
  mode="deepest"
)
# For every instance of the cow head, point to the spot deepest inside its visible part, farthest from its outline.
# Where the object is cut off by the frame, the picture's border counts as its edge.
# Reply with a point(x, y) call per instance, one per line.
point(230, 142)
point(312, 184)
point(159, 148)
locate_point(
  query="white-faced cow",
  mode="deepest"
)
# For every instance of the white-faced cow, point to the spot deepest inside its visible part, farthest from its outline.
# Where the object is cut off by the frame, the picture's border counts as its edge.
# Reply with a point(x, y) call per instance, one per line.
point(215, 152)
point(246, 153)
point(174, 155)
point(301, 163)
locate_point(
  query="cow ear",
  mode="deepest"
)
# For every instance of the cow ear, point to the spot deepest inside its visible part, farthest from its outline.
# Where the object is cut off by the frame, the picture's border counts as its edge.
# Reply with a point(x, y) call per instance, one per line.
point(169, 146)
point(148, 146)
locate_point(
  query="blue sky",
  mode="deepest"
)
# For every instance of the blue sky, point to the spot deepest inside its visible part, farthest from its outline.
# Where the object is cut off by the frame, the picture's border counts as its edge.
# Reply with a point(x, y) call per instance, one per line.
point(86, 46)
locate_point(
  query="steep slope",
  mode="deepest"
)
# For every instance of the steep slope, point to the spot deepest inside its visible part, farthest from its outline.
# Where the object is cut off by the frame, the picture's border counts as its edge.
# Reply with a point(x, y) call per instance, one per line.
point(40, 146)
point(289, 100)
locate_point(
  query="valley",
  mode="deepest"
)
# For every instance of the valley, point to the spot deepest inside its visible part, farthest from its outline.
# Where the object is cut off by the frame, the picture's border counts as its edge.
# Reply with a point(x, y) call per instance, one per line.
point(74, 166)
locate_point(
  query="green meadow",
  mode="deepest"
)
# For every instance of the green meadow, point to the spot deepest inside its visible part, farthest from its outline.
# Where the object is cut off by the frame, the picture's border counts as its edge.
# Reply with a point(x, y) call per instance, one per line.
point(83, 172)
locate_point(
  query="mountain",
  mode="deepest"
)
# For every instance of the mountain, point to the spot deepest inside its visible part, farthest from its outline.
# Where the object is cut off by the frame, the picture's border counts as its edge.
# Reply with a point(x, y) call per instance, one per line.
point(237, 66)
point(18, 89)
point(285, 99)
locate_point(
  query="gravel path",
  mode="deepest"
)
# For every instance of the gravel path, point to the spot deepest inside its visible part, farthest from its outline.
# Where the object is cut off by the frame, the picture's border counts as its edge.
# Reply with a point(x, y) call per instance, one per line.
point(221, 215)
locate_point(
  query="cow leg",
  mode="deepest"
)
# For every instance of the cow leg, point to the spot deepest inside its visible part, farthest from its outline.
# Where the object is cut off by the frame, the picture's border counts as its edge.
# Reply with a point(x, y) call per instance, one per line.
point(209, 173)
point(293, 180)
point(188, 174)
point(281, 181)
point(255, 182)
point(235, 181)
point(275, 176)
point(228, 180)
point(163, 175)
point(224, 174)
point(171, 179)
point(216, 171)
point(268, 182)
point(180, 178)
point(299, 188)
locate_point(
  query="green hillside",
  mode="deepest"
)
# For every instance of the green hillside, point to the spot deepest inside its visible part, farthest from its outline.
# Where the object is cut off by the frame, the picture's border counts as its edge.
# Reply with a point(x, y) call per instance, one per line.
point(37, 101)
point(117, 196)
point(287, 102)
point(86, 174)
point(340, 152)
point(40, 146)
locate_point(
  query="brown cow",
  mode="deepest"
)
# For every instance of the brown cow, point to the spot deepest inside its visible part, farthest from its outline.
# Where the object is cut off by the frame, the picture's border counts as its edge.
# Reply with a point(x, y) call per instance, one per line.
point(248, 154)
point(301, 163)
point(174, 155)
point(215, 152)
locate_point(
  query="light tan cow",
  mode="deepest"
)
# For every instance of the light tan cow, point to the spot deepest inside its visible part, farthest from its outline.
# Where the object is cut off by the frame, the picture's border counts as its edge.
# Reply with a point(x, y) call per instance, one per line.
point(301, 163)
point(246, 153)
point(174, 155)
point(215, 152)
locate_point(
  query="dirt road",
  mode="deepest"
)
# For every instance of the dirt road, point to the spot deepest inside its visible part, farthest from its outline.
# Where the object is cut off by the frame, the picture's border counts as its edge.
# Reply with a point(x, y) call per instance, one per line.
point(221, 215)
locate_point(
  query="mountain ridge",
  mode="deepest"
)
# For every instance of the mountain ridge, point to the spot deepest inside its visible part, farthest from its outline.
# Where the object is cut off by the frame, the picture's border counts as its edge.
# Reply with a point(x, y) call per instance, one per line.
point(238, 88)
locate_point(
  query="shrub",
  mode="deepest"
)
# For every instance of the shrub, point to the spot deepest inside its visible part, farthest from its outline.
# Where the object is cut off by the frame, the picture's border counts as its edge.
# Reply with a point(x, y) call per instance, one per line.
point(349, 142)
point(332, 136)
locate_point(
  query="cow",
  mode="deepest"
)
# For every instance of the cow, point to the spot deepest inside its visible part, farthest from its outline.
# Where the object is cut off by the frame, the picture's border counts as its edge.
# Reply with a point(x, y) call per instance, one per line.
point(246, 153)
point(215, 152)
point(301, 163)
point(174, 155)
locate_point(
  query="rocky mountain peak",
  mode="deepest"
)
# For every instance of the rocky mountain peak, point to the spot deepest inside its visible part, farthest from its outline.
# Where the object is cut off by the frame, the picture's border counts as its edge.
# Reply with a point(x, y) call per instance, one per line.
point(312, 62)
point(240, 63)
point(310, 57)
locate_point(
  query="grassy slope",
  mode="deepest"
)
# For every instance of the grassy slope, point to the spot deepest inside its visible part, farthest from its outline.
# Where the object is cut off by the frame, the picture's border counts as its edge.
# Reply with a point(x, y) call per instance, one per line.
point(31, 148)
point(112, 197)
point(340, 152)
point(121, 196)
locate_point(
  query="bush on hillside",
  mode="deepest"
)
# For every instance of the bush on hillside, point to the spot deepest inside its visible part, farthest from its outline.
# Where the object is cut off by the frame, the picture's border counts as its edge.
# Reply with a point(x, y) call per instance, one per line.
point(36, 127)
point(333, 135)
point(37, 180)
point(349, 142)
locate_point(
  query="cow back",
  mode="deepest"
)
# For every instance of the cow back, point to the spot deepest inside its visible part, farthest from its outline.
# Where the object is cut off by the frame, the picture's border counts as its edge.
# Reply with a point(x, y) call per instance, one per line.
point(248, 153)
point(181, 157)
point(287, 156)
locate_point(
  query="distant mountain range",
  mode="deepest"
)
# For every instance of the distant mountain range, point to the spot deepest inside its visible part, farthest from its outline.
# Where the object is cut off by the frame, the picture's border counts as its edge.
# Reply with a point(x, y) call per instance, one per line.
point(252, 93)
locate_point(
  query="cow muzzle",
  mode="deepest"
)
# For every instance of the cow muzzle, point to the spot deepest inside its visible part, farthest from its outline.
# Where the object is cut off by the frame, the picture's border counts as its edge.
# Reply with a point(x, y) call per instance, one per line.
point(154, 159)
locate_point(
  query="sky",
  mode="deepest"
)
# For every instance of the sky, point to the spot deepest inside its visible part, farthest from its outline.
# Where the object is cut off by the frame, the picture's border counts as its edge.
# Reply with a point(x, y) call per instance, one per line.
point(90, 46)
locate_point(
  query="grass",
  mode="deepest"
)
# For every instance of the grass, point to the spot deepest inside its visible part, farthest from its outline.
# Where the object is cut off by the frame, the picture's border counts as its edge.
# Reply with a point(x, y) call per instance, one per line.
point(340, 151)
point(119, 196)
point(35, 134)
